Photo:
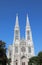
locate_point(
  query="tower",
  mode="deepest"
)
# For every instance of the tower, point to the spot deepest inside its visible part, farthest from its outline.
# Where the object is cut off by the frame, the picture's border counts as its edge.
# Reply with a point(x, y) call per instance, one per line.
point(28, 37)
point(28, 30)
point(15, 41)
point(16, 30)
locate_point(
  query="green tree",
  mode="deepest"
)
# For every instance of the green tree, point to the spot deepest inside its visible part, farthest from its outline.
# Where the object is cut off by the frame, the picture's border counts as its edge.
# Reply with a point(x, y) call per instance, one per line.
point(33, 60)
point(40, 58)
point(3, 57)
point(36, 60)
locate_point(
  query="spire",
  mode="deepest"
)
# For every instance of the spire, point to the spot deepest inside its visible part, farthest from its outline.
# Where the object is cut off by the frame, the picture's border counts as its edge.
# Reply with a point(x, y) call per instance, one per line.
point(16, 30)
point(28, 29)
point(27, 22)
point(17, 24)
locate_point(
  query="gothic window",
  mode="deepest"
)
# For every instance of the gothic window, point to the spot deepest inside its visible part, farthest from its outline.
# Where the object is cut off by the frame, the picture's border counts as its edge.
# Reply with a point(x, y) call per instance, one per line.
point(16, 49)
point(16, 63)
point(28, 35)
point(10, 54)
point(16, 34)
point(23, 49)
point(23, 63)
point(29, 49)
point(28, 63)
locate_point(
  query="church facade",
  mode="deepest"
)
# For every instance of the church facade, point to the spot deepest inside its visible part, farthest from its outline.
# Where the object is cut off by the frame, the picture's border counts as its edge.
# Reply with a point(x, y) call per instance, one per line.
point(22, 49)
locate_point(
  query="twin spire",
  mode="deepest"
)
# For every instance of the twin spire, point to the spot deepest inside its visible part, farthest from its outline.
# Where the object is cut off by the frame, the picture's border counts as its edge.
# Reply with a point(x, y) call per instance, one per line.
point(17, 31)
point(17, 21)
point(27, 21)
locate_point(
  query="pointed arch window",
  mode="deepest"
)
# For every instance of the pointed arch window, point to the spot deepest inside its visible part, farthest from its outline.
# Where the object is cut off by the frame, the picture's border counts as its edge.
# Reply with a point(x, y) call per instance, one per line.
point(29, 49)
point(16, 63)
point(23, 63)
point(23, 49)
point(16, 49)
point(10, 54)
point(28, 35)
point(16, 34)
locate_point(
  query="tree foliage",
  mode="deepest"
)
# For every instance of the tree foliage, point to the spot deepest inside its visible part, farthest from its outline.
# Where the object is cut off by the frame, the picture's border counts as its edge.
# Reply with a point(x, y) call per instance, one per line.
point(40, 57)
point(36, 60)
point(3, 57)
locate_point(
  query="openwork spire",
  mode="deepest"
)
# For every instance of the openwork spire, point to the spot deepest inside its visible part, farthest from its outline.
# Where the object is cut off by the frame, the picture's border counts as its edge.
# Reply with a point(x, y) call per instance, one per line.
point(27, 22)
point(17, 24)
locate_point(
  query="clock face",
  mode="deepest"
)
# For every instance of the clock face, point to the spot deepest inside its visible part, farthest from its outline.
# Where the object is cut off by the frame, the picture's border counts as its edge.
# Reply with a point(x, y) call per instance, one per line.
point(23, 49)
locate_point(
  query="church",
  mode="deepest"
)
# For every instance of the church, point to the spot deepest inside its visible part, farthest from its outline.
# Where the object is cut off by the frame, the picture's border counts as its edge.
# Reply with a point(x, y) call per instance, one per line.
point(22, 49)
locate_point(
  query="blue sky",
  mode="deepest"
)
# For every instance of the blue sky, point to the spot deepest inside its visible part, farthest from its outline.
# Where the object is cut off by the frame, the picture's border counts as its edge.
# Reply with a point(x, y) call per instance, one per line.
point(8, 10)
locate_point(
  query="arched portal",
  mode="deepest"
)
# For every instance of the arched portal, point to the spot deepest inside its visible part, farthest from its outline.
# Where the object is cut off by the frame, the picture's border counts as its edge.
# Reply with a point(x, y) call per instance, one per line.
point(23, 60)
